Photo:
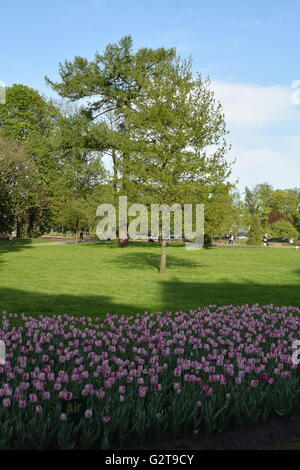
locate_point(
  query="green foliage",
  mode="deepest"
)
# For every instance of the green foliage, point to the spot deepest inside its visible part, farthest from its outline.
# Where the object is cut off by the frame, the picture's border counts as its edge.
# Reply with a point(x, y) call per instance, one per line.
point(254, 236)
point(284, 229)
point(113, 80)
point(173, 124)
point(19, 183)
point(28, 118)
point(9, 156)
point(26, 114)
point(257, 200)
point(284, 201)
point(80, 177)
point(272, 204)
point(223, 211)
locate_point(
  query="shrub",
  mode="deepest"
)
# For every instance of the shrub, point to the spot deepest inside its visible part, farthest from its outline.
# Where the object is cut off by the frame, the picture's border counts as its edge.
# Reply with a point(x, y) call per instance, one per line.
point(283, 229)
point(254, 236)
point(207, 240)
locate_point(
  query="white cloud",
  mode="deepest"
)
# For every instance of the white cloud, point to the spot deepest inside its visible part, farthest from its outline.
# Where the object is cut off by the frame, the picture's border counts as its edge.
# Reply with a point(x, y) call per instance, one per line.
point(256, 105)
point(264, 127)
point(280, 169)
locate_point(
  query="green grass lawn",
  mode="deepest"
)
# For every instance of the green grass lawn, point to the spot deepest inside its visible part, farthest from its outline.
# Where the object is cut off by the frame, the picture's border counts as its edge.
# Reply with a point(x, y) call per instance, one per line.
point(95, 278)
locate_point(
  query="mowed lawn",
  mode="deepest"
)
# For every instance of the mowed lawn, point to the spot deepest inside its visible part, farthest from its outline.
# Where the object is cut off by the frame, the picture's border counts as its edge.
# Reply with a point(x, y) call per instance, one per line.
point(91, 279)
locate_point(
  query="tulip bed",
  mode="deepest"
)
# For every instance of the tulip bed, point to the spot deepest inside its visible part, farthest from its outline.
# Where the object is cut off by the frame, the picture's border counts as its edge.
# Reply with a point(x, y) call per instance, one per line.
point(145, 376)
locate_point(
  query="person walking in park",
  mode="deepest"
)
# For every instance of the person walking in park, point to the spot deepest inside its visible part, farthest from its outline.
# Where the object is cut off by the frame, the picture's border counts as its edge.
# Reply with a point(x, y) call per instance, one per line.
point(10, 239)
point(266, 240)
point(81, 234)
point(231, 238)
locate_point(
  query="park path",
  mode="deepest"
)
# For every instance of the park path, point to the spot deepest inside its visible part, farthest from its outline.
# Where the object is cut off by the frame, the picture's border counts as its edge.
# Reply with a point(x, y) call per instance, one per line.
point(216, 245)
point(59, 242)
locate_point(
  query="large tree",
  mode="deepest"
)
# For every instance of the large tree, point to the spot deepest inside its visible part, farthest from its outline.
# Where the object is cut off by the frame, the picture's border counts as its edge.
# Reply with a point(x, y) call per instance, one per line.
point(12, 159)
point(178, 140)
point(258, 199)
point(20, 190)
point(30, 119)
point(160, 125)
point(273, 204)
point(107, 88)
point(80, 178)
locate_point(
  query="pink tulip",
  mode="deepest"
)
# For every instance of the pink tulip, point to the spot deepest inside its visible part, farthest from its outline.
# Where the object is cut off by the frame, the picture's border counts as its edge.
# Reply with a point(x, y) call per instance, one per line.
point(6, 402)
point(88, 413)
point(142, 391)
point(68, 395)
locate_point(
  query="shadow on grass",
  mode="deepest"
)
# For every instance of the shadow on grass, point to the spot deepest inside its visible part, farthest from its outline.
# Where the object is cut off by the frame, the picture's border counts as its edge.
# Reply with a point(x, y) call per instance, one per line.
point(189, 295)
point(172, 296)
point(20, 301)
point(20, 241)
point(142, 260)
point(131, 244)
point(133, 259)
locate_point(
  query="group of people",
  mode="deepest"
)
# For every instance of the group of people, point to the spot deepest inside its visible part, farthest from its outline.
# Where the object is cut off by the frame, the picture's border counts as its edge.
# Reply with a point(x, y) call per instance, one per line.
point(265, 239)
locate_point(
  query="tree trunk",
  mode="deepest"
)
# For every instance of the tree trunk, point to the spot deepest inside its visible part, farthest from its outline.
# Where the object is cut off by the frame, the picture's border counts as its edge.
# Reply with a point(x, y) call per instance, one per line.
point(26, 229)
point(77, 233)
point(115, 171)
point(163, 257)
point(76, 239)
point(19, 228)
point(31, 219)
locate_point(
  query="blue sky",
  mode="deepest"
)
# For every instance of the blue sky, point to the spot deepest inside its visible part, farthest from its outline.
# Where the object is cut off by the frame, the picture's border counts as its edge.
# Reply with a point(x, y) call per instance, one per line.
point(250, 50)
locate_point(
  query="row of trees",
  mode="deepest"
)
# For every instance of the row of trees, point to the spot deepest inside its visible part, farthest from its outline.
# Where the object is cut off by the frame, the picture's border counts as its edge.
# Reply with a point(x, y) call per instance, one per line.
point(276, 210)
point(46, 173)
